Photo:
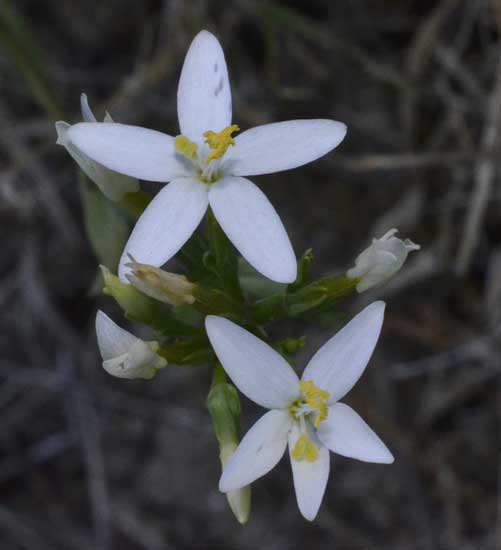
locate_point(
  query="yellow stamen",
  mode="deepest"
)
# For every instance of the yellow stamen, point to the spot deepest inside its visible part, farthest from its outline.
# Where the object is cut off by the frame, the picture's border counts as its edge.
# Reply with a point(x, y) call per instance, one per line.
point(315, 398)
point(305, 449)
point(219, 141)
point(185, 147)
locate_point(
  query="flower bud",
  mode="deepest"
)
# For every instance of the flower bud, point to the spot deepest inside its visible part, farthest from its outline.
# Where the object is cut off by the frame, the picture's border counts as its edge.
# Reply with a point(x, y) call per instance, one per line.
point(239, 500)
point(124, 355)
point(143, 309)
point(224, 406)
point(161, 285)
point(381, 260)
point(112, 184)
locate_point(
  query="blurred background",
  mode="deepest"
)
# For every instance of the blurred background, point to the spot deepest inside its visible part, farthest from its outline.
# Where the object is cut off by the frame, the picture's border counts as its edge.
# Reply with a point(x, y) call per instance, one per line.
point(92, 462)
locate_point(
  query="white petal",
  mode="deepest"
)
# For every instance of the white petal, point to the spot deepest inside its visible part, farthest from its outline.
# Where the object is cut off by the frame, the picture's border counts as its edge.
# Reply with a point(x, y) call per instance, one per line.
point(310, 478)
point(259, 451)
point(340, 362)
point(257, 370)
point(112, 184)
point(254, 227)
point(344, 432)
point(204, 94)
point(112, 339)
point(167, 223)
point(130, 150)
point(87, 113)
point(282, 146)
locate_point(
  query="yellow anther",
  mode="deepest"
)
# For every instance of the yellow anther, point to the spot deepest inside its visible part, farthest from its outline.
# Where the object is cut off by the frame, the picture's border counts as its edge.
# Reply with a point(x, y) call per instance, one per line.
point(305, 449)
point(185, 147)
point(219, 141)
point(315, 398)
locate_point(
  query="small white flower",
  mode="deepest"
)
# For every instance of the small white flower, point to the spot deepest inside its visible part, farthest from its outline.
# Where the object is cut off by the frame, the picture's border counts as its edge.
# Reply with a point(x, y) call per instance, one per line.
point(381, 260)
point(205, 166)
point(112, 184)
point(124, 355)
point(305, 414)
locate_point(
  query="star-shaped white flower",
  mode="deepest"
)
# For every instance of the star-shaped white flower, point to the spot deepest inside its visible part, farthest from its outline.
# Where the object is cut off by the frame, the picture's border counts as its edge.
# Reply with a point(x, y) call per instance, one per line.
point(125, 355)
point(305, 414)
point(206, 166)
point(112, 185)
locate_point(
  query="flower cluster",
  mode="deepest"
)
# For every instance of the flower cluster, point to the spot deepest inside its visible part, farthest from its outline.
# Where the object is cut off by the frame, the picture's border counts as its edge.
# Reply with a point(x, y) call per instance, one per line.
point(205, 168)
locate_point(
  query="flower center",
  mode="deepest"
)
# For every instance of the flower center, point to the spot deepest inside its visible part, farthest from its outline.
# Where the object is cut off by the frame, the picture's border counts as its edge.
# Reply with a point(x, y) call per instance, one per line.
point(311, 403)
point(217, 141)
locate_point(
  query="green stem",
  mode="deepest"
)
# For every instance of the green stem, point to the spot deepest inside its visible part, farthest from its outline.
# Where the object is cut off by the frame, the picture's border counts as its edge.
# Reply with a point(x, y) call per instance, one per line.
point(223, 260)
point(320, 294)
point(270, 308)
point(189, 352)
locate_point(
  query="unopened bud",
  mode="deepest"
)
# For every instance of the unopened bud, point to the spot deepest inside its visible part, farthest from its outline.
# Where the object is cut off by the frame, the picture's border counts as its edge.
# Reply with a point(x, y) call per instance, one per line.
point(224, 406)
point(381, 260)
point(240, 499)
point(161, 285)
point(124, 355)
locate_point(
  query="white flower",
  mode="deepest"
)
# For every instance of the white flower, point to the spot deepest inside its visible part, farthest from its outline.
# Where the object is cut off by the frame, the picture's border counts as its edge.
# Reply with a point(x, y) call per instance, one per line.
point(381, 260)
point(305, 414)
point(205, 166)
point(124, 355)
point(112, 185)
